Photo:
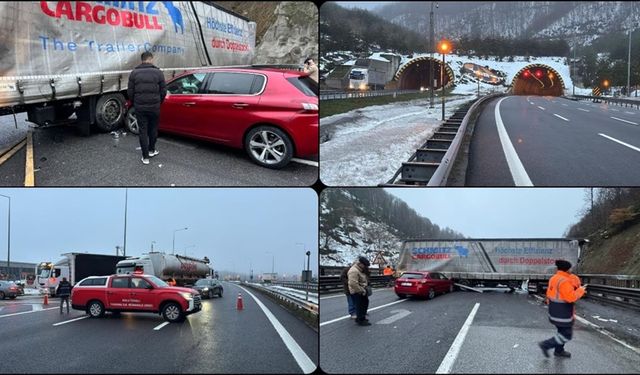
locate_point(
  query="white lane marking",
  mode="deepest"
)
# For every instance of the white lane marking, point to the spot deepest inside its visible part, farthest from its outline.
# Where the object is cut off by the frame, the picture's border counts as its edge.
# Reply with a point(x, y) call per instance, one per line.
point(303, 360)
point(620, 142)
point(454, 350)
point(373, 309)
point(582, 109)
point(397, 315)
point(72, 320)
point(561, 117)
point(518, 173)
point(542, 108)
point(159, 326)
point(566, 105)
point(599, 329)
point(628, 122)
point(630, 113)
point(615, 110)
point(27, 312)
point(305, 162)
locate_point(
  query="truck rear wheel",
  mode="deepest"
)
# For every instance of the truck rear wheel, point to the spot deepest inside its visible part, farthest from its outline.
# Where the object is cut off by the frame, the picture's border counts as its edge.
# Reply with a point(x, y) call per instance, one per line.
point(110, 111)
point(95, 309)
point(172, 312)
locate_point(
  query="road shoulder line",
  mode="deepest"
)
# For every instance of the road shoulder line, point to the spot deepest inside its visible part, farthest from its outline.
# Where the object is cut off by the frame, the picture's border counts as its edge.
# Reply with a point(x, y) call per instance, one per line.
point(372, 309)
point(454, 350)
point(71, 320)
point(303, 360)
point(518, 173)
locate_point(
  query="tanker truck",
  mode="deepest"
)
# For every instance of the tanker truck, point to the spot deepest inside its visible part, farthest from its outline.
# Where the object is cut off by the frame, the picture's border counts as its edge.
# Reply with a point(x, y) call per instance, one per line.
point(491, 262)
point(175, 269)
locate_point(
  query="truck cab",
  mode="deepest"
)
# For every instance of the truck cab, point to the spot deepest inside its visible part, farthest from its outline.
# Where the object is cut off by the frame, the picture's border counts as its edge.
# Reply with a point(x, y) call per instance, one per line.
point(134, 293)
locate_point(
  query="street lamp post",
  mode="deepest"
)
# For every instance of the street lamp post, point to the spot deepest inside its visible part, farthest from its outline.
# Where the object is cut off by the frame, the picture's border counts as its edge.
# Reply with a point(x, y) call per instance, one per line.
point(308, 274)
point(174, 238)
point(629, 67)
point(8, 235)
point(431, 48)
point(152, 242)
point(444, 47)
point(478, 77)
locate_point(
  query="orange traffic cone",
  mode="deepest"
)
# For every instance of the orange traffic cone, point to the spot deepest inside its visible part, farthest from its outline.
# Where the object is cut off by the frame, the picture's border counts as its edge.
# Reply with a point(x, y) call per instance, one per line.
point(239, 305)
point(46, 298)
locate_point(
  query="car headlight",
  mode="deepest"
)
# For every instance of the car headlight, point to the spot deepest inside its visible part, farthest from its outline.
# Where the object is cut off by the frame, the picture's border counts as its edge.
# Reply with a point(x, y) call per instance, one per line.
point(186, 295)
point(205, 289)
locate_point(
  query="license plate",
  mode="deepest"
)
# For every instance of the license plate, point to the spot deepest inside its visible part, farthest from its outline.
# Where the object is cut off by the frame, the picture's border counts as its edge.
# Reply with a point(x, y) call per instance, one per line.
point(406, 284)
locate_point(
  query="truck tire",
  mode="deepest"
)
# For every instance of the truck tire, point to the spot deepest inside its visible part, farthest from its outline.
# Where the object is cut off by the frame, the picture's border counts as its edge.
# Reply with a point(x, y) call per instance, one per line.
point(110, 112)
point(95, 309)
point(274, 136)
point(432, 293)
point(131, 122)
point(172, 312)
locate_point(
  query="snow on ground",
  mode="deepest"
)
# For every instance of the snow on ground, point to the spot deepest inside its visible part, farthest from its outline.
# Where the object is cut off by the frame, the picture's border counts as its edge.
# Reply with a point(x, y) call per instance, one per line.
point(368, 145)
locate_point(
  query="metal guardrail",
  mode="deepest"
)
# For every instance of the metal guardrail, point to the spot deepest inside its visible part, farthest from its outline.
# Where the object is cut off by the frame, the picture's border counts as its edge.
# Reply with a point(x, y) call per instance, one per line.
point(626, 102)
point(623, 297)
point(289, 299)
point(332, 284)
point(431, 164)
point(300, 285)
point(364, 94)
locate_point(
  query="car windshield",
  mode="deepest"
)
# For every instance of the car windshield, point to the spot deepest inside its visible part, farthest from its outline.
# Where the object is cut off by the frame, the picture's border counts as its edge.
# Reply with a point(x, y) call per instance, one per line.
point(305, 84)
point(157, 281)
point(203, 282)
point(411, 276)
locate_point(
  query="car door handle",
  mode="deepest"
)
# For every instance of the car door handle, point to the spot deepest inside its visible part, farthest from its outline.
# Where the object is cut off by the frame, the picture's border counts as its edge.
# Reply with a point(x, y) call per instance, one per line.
point(189, 104)
point(240, 105)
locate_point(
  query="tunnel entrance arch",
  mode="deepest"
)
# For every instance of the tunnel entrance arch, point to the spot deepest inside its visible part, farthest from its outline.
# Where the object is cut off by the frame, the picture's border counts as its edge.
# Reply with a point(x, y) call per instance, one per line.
point(415, 74)
point(538, 79)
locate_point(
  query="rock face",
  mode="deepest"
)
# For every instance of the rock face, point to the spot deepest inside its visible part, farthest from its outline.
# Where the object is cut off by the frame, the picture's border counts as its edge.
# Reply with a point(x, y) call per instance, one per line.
point(292, 37)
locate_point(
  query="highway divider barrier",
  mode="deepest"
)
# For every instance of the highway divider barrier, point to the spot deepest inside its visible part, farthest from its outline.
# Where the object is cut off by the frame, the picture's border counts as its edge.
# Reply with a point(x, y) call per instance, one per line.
point(294, 301)
point(616, 101)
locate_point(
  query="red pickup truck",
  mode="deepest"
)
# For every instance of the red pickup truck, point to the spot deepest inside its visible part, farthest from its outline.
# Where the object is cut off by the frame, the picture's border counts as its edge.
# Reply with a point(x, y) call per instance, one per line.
point(134, 293)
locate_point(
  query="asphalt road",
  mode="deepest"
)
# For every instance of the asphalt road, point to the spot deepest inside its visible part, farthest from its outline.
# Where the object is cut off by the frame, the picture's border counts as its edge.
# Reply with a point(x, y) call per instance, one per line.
point(416, 336)
point(218, 339)
point(557, 142)
point(62, 157)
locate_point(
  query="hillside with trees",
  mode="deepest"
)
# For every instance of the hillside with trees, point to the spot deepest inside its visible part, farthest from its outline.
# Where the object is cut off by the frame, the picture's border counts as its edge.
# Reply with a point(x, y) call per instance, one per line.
point(611, 222)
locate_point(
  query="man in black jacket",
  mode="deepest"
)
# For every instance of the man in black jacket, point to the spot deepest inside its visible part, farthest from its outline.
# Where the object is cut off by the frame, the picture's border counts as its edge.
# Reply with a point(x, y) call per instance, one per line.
point(64, 291)
point(147, 90)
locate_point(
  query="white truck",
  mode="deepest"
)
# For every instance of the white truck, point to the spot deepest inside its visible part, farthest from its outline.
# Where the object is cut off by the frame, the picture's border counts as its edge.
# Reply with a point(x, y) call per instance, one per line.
point(491, 262)
point(175, 269)
point(63, 57)
point(75, 267)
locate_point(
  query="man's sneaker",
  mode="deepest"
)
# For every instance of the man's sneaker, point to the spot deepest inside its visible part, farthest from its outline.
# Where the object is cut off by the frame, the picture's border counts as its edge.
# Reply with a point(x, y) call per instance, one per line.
point(564, 354)
point(545, 350)
point(153, 153)
point(365, 323)
point(145, 161)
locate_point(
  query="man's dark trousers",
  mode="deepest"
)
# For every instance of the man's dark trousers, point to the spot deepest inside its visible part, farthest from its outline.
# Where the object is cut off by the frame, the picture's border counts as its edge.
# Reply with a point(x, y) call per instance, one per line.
point(148, 127)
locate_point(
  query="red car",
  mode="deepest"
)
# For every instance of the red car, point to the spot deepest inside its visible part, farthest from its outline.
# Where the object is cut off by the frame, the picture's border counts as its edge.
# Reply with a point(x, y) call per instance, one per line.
point(134, 293)
point(271, 114)
point(422, 284)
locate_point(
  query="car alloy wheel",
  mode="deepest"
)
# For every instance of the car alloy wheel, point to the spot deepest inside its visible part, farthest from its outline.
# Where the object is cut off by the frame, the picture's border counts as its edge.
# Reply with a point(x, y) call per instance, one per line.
point(172, 312)
point(432, 293)
point(95, 309)
point(267, 147)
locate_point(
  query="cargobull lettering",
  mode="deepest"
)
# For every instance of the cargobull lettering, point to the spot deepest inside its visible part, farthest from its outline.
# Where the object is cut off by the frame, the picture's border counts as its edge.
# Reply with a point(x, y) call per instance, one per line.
point(113, 13)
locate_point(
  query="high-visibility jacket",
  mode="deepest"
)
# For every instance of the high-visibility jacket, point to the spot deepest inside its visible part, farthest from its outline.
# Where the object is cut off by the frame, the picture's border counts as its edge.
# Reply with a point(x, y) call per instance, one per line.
point(387, 272)
point(562, 293)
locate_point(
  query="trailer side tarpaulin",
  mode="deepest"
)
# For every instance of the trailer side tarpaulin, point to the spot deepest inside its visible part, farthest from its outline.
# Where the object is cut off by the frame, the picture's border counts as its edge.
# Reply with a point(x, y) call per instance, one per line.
point(99, 42)
point(487, 256)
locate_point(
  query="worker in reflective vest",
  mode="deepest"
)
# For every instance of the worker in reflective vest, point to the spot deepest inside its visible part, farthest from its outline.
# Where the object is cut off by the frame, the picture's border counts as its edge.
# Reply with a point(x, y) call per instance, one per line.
point(563, 291)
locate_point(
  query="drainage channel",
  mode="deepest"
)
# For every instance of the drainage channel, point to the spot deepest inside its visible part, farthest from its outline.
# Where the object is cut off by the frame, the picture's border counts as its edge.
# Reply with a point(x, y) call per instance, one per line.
point(421, 166)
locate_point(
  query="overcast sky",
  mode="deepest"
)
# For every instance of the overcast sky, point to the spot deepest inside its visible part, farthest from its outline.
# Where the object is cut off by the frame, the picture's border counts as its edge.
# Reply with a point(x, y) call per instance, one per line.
point(499, 212)
point(232, 227)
